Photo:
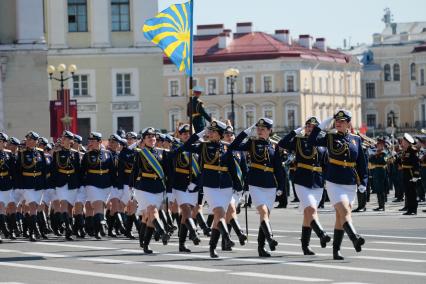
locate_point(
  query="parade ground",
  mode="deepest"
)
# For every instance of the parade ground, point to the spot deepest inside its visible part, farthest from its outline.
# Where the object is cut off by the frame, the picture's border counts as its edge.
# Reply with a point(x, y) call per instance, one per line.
point(395, 252)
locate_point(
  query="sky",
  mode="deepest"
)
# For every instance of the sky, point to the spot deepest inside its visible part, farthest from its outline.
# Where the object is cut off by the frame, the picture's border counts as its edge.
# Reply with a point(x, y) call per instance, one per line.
point(336, 20)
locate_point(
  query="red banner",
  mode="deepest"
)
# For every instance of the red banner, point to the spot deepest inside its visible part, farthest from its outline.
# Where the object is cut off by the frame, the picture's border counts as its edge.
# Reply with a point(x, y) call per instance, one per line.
point(58, 109)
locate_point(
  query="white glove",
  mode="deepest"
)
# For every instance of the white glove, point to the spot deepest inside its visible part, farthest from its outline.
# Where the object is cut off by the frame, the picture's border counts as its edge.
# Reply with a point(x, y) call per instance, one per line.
point(298, 130)
point(279, 192)
point(325, 123)
point(362, 188)
point(249, 130)
point(201, 134)
point(414, 179)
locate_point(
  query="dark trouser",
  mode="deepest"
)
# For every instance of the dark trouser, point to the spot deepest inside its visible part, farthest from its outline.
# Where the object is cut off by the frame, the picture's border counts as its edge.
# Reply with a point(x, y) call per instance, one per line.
point(362, 199)
point(399, 190)
point(411, 196)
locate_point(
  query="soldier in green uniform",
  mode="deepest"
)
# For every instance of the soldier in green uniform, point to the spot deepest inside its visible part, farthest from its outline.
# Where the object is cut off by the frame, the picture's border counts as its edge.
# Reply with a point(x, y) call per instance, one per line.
point(199, 114)
point(377, 165)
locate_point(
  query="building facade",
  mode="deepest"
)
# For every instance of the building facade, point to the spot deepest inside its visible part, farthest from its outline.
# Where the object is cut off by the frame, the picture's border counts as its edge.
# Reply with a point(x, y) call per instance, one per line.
point(280, 78)
point(118, 83)
point(393, 80)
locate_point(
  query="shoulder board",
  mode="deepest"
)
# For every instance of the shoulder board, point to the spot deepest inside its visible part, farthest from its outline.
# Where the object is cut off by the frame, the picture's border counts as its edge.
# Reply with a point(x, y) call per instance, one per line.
point(39, 149)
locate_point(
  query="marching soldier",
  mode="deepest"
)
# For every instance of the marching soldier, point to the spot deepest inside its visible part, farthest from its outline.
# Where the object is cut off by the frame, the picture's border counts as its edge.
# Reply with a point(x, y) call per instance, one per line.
point(66, 180)
point(410, 173)
point(97, 171)
point(346, 170)
point(308, 180)
point(265, 176)
point(377, 166)
point(31, 179)
point(199, 114)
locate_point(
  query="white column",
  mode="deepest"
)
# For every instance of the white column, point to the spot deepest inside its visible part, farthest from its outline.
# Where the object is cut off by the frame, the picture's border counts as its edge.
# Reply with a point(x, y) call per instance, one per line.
point(57, 23)
point(100, 23)
point(29, 21)
point(142, 10)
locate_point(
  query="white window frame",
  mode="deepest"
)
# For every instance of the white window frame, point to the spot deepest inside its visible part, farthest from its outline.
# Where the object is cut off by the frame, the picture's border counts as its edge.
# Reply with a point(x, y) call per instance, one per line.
point(268, 106)
point(248, 107)
point(116, 115)
point(291, 106)
point(179, 94)
point(207, 86)
point(254, 84)
point(375, 89)
point(272, 83)
point(288, 74)
point(91, 97)
point(134, 84)
point(177, 111)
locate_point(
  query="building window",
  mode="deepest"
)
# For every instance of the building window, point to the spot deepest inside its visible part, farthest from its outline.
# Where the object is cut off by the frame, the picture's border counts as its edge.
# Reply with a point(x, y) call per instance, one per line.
point(392, 119)
point(267, 84)
point(80, 85)
point(268, 111)
point(125, 123)
point(249, 85)
point(413, 71)
point(213, 112)
point(291, 115)
point(423, 115)
point(123, 84)
point(120, 16)
point(249, 115)
point(174, 88)
point(228, 115)
point(370, 89)
point(396, 74)
point(77, 16)
point(212, 86)
point(422, 77)
point(174, 118)
point(290, 83)
point(371, 120)
point(387, 72)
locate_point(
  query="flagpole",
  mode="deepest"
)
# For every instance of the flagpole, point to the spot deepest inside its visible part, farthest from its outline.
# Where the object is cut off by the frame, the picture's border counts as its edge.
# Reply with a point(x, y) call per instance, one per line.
point(191, 28)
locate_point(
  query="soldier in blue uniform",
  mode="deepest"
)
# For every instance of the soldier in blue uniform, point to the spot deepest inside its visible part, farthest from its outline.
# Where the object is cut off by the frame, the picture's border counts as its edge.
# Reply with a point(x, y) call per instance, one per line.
point(378, 168)
point(149, 181)
point(265, 176)
point(410, 173)
point(346, 170)
point(7, 172)
point(66, 180)
point(308, 180)
point(98, 176)
point(214, 178)
point(31, 173)
point(199, 114)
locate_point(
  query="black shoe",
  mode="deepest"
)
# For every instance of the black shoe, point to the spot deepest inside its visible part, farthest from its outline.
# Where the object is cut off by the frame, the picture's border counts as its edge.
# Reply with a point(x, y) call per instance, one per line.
point(403, 209)
point(261, 244)
point(183, 232)
point(410, 213)
point(281, 206)
point(306, 237)
point(337, 242)
point(262, 252)
point(295, 200)
point(267, 230)
point(203, 224)
point(223, 229)
point(356, 239)
point(397, 200)
point(379, 209)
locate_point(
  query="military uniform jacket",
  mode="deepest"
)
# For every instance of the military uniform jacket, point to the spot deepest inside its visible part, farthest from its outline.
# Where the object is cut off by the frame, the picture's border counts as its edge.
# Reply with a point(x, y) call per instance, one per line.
point(7, 170)
point(199, 114)
point(126, 159)
point(347, 163)
point(97, 169)
point(31, 169)
point(66, 168)
point(310, 160)
point(410, 165)
point(378, 165)
point(144, 177)
point(179, 165)
point(265, 169)
point(215, 161)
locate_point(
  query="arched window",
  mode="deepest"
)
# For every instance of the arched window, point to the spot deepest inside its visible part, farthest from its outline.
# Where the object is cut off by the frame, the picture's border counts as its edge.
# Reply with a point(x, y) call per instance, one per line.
point(387, 72)
point(413, 71)
point(396, 75)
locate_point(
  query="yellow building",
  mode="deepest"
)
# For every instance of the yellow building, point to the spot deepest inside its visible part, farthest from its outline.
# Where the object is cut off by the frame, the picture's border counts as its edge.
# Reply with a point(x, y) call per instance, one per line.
point(280, 78)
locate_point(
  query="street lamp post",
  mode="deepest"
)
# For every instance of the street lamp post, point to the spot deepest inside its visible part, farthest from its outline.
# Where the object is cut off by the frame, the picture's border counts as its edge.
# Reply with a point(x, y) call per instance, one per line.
point(231, 77)
point(66, 120)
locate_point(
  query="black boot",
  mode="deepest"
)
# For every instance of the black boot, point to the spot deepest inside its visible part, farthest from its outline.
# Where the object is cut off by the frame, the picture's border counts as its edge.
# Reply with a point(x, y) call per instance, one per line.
point(261, 244)
point(56, 224)
point(41, 221)
point(11, 221)
point(137, 222)
point(306, 237)
point(192, 229)
point(170, 221)
point(322, 235)
point(203, 225)
point(119, 223)
point(267, 230)
point(183, 232)
point(147, 239)
point(166, 225)
point(214, 238)
point(26, 220)
point(79, 226)
point(3, 227)
point(128, 226)
point(337, 242)
point(159, 228)
point(68, 229)
point(19, 223)
point(97, 226)
point(209, 221)
point(32, 226)
point(90, 226)
point(356, 239)
point(224, 247)
point(141, 234)
point(110, 223)
point(241, 236)
point(223, 229)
